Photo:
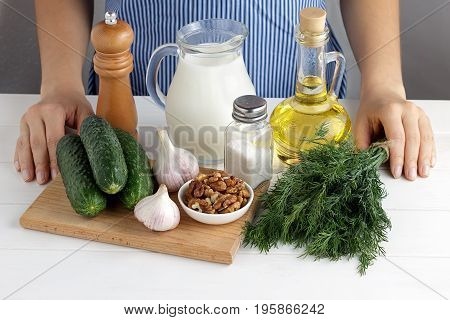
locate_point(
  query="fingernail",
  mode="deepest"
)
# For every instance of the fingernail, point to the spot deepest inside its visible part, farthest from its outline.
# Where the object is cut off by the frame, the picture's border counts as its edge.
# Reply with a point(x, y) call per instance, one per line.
point(433, 161)
point(426, 170)
point(397, 171)
point(412, 173)
point(54, 173)
point(26, 174)
point(40, 177)
point(17, 165)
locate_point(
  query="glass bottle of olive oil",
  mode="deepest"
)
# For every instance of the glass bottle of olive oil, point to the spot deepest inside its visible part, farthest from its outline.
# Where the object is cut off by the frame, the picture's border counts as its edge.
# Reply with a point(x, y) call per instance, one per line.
point(297, 118)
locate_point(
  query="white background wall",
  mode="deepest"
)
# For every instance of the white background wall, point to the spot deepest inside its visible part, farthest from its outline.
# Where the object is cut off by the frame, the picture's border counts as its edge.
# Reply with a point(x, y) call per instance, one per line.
point(425, 47)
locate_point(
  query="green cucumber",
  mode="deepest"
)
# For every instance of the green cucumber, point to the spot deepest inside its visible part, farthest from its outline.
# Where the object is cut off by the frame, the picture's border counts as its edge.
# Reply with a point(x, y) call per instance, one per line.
point(104, 153)
point(84, 195)
point(139, 183)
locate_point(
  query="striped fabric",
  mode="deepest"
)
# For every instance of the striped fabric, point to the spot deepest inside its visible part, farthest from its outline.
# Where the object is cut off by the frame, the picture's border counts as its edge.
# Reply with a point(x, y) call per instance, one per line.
point(269, 51)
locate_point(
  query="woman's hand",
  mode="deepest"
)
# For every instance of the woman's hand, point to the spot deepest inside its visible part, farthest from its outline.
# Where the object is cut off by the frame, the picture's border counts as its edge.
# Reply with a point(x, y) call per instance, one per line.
point(385, 111)
point(41, 127)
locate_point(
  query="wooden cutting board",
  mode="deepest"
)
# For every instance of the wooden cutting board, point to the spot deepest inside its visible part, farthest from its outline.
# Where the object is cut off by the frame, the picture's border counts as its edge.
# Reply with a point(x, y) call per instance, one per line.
point(51, 212)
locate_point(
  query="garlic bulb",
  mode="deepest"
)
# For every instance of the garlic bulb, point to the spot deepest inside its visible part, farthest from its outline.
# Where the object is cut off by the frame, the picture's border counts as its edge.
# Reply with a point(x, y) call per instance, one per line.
point(158, 212)
point(173, 166)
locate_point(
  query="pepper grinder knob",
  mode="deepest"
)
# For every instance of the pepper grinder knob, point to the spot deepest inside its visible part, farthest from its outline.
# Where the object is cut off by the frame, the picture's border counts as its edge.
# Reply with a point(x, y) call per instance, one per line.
point(110, 17)
point(112, 35)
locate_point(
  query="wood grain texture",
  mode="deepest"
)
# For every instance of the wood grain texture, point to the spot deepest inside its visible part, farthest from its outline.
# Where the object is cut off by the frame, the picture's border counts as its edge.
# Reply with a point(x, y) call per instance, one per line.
point(113, 63)
point(51, 212)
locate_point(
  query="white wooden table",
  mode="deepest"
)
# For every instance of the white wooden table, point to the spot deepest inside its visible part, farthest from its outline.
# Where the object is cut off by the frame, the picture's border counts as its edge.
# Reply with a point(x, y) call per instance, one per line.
point(36, 265)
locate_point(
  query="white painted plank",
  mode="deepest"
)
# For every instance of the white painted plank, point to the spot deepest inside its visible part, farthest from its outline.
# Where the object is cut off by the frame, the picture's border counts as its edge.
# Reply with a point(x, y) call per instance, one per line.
point(8, 136)
point(138, 275)
point(442, 151)
point(438, 112)
point(16, 105)
point(12, 107)
point(419, 234)
point(148, 138)
point(18, 267)
point(13, 190)
point(434, 272)
point(150, 117)
point(432, 193)
point(413, 234)
point(148, 113)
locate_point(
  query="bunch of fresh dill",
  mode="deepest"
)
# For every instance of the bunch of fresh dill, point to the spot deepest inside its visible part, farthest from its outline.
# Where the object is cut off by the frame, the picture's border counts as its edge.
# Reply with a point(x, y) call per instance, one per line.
point(329, 204)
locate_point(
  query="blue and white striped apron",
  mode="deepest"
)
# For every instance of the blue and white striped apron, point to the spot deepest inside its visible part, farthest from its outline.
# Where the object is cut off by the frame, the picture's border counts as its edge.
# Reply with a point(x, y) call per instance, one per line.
point(269, 51)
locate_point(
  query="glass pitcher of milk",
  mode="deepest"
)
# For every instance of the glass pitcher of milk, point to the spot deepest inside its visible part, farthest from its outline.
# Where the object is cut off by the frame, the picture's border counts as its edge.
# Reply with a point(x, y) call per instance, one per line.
point(210, 75)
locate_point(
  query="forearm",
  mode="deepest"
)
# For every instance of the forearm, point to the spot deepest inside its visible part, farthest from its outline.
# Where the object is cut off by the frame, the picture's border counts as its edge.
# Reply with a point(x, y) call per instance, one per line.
point(63, 29)
point(374, 33)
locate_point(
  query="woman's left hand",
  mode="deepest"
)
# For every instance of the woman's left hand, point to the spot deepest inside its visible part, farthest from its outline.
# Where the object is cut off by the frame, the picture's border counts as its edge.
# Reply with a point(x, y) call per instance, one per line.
point(385, 111)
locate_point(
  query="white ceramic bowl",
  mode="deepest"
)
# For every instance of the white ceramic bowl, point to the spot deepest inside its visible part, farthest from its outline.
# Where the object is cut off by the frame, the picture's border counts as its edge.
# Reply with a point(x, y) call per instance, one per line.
point(209, 218)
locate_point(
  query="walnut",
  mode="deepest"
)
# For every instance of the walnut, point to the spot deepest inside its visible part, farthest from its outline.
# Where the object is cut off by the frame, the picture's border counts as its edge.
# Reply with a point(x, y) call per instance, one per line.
point(244, 193)
point(201, 177)
point(232, 199)
point(202, 205)
point(212, 179)
point(199, 189)
point(211, 194)
point(233, 207)
point(214, 197)
point(225, 201)
point(232, 190)
point(231, 181)
point(216, 192)
point(209, 191)
point(219, 201)
point(220, 174)
point(189, 193)
point(219, 186)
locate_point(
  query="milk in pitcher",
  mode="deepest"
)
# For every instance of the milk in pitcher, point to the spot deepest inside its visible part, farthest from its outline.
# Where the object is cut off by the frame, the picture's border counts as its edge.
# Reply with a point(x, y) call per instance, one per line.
point(200, 101)
point(210, 74)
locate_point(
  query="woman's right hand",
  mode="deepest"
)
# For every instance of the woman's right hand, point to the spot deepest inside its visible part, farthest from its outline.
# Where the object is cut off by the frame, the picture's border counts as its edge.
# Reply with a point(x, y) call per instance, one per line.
point(41, 127)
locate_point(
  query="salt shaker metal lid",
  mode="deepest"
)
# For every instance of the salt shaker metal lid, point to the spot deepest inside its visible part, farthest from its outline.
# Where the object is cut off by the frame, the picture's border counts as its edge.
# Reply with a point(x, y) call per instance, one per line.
point(249, 109)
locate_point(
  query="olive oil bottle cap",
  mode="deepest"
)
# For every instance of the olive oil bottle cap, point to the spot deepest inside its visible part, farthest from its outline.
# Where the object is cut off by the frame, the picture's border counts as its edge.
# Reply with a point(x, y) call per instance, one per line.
point(249, 109)
point(312, 20)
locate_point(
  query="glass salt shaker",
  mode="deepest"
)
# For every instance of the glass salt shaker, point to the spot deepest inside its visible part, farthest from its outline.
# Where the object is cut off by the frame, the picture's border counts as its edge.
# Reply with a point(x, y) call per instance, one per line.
point(248, 141)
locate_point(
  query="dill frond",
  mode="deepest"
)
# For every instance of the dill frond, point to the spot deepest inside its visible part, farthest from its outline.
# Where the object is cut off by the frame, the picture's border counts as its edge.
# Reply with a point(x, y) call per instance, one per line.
point(329, 204)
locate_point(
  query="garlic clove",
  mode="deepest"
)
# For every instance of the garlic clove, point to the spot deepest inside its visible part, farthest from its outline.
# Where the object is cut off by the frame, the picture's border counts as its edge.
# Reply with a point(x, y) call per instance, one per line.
point(171, 178)
point(158, 212)
point(173, 166)
point(143, 202)
point(189, 168)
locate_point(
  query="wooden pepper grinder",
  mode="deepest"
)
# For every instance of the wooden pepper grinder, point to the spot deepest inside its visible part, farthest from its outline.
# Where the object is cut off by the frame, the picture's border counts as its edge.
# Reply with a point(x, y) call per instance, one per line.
point(113, 63)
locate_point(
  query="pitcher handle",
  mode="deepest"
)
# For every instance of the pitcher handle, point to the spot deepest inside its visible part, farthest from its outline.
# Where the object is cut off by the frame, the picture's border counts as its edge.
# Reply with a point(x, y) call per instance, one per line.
point(339, 70)
point(151, 79)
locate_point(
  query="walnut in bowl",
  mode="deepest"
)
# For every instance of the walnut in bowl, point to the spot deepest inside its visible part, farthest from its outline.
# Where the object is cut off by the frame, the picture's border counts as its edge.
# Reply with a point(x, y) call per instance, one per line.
point(216, 193)
point(215, 198)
